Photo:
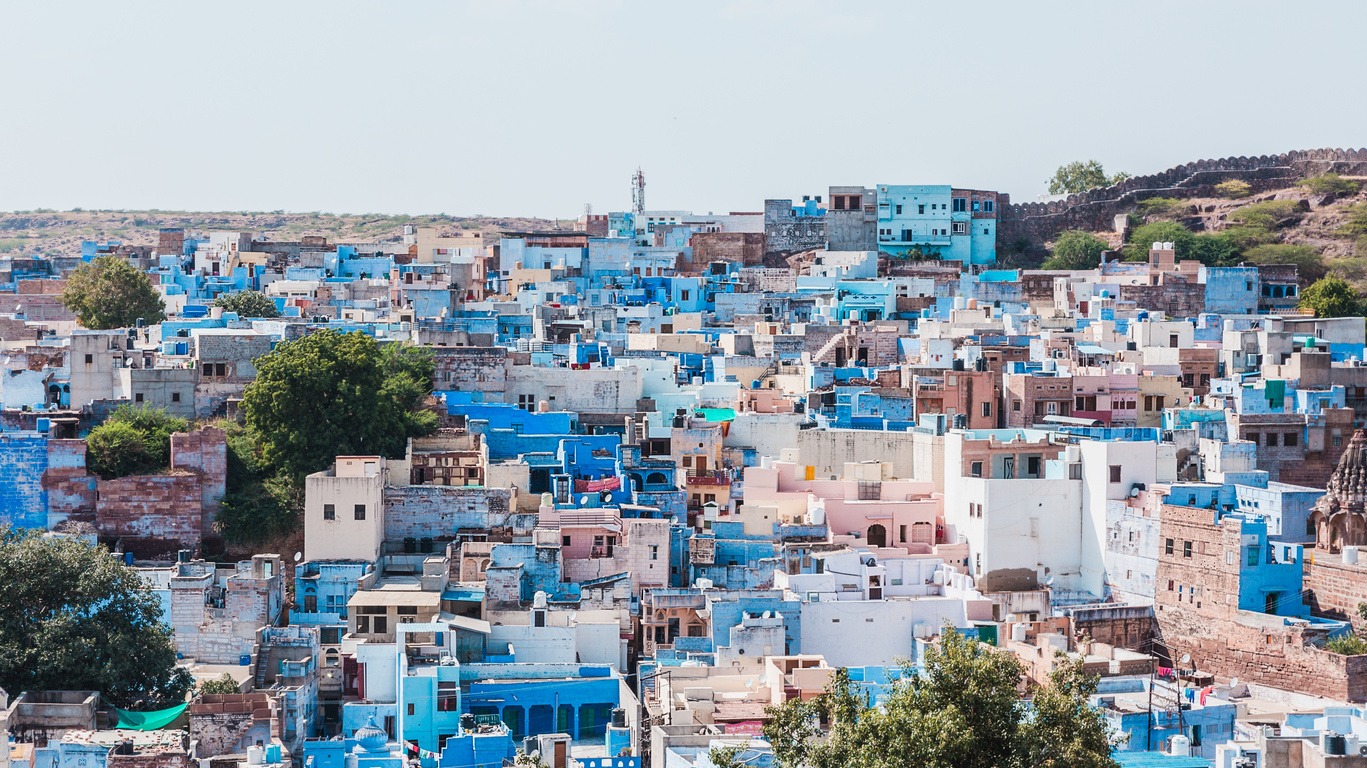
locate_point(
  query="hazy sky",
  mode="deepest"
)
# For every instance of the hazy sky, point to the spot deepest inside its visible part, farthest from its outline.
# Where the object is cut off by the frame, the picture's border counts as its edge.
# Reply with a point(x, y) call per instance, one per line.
point(537, 108)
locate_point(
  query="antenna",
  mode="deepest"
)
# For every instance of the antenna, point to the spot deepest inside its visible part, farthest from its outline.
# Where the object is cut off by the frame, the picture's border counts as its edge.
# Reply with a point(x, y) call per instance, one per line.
point(638, 192)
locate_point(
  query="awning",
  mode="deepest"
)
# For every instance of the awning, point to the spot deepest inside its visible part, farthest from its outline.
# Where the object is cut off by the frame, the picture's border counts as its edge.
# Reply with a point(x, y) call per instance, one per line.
point(149, 721)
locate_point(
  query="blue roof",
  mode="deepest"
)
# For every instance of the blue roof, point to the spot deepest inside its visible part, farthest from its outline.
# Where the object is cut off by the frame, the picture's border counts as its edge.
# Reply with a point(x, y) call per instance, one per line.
point(1158, 760)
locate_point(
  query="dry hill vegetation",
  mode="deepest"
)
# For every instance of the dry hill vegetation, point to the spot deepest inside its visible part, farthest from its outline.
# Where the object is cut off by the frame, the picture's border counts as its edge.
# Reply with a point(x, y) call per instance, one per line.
point(1319, 224)
point(59, 233)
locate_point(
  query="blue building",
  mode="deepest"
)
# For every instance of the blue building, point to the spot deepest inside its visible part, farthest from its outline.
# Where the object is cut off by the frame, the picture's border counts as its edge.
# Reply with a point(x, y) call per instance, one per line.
point(937, 221)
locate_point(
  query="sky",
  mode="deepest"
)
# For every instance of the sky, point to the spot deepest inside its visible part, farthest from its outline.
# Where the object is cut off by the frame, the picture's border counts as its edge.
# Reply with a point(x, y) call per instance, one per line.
point(509, 108)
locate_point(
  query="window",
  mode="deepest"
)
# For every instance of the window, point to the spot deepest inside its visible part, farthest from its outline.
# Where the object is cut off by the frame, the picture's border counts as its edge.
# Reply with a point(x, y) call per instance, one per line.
point(987, 409)
point(976, 469)
point(175, 397)
point(448, 696)
point(137, 397)
point(1167, 549)
point(381, 625)
point(961, 204)
point(564, 541)
point(360, 511)
point(919, 209)
point(1032, 465)
point(329, 511)
point(1115, 473)
point(89, 359)
point(1271, 439)
point(1291, 439)
point(654, 551)
point(1016, 406)
point(412, 709)
point(899, 209)
point(1186, 549)
point(1075, 471)
point(960, 227)
point(363, 625)
point(1252, 556)
point(902, 533)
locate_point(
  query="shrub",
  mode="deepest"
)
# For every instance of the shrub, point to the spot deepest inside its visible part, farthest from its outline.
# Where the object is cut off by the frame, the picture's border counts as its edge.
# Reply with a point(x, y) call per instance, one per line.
point(1331, 184)
point(134, 440)
point(1347, 645)
point(1145, 235)
point(1268, 214)
point(1331, 297)
point(1234, 189)
point(1160, 207)
point(1356, 223)
point(223, 684)
point(1076, 250)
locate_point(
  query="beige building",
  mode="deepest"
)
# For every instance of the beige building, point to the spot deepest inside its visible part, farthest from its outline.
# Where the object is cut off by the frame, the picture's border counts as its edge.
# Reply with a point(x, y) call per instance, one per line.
point(343, 510)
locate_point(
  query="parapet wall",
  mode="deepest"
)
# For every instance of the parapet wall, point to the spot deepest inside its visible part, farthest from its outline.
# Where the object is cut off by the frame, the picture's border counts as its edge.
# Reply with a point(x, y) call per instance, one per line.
point(1096, 209)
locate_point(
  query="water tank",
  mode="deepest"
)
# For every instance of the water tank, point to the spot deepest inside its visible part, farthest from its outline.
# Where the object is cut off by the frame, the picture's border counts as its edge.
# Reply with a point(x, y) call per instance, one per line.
point(547, 500)
point(273, 754)
point(1167, 246)
point(1180, 746)
point(245, 660)
point(703, 583)
point(1350, 555)
point(619, 718)
point(1018, 633)
point(539, 600)
point(960, 302)
point(1156, 247)
point(256, 756)
point(1333, 743)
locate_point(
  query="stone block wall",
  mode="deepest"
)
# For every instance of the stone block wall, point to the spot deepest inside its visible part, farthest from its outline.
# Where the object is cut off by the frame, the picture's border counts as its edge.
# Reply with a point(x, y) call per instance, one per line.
point(153, 512)
point(228, 723)
point(1334, 588)
point(205, 453)
point(745, 248)
point(70, 488)
point(439, 511)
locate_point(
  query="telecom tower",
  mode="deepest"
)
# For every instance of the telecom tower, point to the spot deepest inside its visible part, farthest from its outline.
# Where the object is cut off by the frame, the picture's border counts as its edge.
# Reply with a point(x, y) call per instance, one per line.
point(638, 193)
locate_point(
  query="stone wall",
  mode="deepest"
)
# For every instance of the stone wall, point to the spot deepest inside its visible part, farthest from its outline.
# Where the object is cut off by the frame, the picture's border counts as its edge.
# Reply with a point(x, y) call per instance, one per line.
point(1096, 210)
point(228, 723)
point(470, 369)
point(745, 248)
point(205, 453)
point(1176, 299)
point(70, 488)
point(153, 513)
point(1334, 588)
point(439, 511)
point(1122, 626)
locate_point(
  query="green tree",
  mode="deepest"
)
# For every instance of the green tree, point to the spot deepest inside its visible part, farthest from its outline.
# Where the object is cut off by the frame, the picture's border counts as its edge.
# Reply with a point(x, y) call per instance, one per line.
point(1080, 176)
point(1309, 263)
point(109, 293)
point(74, 618)
point(1076, 249)
point(257, 506)
point(1162, 207)
point(248, 304)
point(1332, 184)
point(1234, 189)
point(962, 711)
point(329, 394)
point(1331, 297)
point(222, 684)
point(728, 756)
point(134, 440)
point(1144, 236)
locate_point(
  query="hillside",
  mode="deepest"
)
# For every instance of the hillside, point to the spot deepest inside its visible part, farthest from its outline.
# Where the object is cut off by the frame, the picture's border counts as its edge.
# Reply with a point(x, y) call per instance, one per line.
point(54, 233)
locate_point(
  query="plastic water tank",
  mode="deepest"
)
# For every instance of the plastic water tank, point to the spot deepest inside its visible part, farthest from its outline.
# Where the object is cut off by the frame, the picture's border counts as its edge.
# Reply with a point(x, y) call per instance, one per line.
point(256, 756)
point(1350, 555)
point(1180, 746)
point(1018, 633)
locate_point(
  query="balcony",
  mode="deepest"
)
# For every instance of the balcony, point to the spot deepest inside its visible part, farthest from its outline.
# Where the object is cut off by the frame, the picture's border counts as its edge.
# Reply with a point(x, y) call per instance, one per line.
point(713, 478)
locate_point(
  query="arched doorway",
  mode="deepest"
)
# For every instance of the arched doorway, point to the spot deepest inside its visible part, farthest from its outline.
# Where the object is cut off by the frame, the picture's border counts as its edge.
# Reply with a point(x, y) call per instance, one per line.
point(878, 536)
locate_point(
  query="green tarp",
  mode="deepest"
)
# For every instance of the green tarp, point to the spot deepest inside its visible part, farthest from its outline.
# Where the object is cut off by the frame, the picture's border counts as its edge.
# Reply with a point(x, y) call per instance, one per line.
point(149, 721)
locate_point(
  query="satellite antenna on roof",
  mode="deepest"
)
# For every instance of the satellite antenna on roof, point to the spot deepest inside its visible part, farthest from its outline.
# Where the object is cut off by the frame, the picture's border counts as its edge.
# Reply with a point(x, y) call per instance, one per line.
point(298, 556)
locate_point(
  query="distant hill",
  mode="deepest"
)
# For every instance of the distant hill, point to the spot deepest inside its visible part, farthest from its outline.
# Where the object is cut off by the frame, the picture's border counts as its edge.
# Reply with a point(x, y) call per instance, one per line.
point(54, 233)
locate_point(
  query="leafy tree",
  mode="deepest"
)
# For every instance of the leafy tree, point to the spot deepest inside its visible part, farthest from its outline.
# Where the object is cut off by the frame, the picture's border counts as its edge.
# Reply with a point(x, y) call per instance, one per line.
point(1080, 176)
point(1331, 184)
point(1076, 249)
point(329, 394)
point(1144, 236)
point(74, 618)
point(1309, 264)
point(1347, 645)
point(134, 440)
point(962, 711)
point(257, 506)
point(248, 304)
point(728, 756)
point(1331, 297)
point(223, 684)
point(1234, 189)
point(109, 293)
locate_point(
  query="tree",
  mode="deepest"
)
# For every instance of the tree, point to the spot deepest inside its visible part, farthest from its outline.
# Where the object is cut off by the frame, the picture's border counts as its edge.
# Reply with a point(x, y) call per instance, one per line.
point(1331, 184)
point(257, 506)
point(1234, 189)
point(1309, 263)
point(222, 684)
point(74, 618)
point(1076, 249)
point(134, 440)
point(248, 304)
point(962, 711)
point(109, 293)
point(1331, 297)
point(1144, 236)
point(728, 756)
point(1080, 176)
point(329, 394)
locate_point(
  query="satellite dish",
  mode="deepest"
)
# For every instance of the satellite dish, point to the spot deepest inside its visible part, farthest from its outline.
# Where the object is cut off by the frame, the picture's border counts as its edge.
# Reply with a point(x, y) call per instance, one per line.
point(1186, 658)
point(298, 556)
point(583, 501)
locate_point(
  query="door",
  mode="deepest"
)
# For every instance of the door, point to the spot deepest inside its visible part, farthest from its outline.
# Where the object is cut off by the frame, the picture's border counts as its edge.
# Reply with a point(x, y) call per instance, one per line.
point(878, 536)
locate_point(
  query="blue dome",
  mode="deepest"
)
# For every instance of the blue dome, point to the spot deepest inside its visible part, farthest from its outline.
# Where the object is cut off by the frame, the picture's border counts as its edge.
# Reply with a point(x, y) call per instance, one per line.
point(371, 737)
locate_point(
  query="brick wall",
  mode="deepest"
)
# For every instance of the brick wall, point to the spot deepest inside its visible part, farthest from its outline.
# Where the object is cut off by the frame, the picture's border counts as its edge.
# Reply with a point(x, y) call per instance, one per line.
point(228, 723)
point(70, 488)
point(476, 369)
point(205, 453)
point(438, 511)
point(159, 511)
point(739, 247)
point(1334, 588)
